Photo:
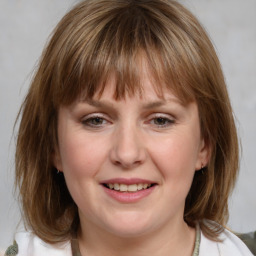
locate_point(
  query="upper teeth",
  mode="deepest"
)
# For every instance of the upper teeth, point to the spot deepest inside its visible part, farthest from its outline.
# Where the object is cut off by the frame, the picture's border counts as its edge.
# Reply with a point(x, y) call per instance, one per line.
point(130, 188)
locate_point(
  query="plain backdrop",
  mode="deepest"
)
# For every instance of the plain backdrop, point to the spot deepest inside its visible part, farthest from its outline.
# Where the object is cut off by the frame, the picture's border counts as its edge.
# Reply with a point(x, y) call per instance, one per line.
point(25, 26)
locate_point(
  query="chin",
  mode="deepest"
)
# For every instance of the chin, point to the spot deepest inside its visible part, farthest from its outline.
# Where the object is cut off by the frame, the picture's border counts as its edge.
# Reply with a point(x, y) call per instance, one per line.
point(130, 231)
point(130, 225)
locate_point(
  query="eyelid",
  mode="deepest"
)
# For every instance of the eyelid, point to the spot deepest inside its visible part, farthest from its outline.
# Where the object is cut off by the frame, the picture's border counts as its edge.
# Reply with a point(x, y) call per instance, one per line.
point(92, 115)
point(169, 118)
point(88, 117)
point(163, 115)
point(95, 114)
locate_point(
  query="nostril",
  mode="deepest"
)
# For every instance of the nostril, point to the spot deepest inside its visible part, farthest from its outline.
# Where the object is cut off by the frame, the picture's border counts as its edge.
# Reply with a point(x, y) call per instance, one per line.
point(127, 165)
point(127, 151)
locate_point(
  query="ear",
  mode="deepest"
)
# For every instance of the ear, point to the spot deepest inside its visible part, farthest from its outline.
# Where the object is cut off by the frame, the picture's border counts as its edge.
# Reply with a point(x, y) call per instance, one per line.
point(204, 154)
point(57, 160)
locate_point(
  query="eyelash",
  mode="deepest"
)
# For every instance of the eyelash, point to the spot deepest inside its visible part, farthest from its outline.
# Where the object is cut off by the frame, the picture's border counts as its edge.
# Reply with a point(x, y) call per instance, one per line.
point(167, 121)
point(98, 118)
point(88, 121)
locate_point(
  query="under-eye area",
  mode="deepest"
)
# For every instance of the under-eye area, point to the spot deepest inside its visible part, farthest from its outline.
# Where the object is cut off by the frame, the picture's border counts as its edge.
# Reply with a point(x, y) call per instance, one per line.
point(128, 188)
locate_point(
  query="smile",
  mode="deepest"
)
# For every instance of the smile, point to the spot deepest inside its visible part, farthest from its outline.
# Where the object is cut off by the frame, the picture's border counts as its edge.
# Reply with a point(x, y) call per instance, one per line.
point(128, 188)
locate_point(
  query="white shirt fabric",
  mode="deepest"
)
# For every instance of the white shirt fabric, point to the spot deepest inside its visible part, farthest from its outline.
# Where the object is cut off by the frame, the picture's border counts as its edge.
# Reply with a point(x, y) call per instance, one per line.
point(231, 246)
point(31, 245)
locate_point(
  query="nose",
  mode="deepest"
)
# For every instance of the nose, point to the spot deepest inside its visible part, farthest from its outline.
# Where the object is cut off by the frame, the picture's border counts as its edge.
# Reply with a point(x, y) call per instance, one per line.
point(128, 149)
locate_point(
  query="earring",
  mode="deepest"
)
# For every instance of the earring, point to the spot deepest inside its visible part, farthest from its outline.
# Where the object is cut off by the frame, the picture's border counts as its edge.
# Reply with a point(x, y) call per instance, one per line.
point(202, 168)
point(58, 171)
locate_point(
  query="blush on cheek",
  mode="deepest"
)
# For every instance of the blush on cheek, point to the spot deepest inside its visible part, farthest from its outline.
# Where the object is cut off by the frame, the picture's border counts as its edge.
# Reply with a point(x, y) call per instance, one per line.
point(178, 160)
point(79, 169)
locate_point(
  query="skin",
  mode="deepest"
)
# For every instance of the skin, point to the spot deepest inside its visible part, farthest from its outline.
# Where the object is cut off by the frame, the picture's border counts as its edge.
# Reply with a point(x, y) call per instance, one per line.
point(147, 137)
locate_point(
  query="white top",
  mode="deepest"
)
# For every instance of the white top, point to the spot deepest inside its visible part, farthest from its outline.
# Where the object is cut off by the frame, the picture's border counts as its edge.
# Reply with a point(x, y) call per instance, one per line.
point(231, 246)
point(31, 245)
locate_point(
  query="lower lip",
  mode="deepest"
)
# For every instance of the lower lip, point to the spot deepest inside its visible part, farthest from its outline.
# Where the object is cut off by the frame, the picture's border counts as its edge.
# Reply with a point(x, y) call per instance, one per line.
point(129, 197)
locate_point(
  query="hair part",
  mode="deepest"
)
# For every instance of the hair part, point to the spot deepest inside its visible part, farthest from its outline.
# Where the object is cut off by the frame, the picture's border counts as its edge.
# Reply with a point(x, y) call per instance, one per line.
point(93, 41)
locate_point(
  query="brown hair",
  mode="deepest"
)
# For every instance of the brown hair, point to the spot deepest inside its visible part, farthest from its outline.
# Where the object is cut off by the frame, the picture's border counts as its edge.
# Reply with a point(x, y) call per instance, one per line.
point(100, 37)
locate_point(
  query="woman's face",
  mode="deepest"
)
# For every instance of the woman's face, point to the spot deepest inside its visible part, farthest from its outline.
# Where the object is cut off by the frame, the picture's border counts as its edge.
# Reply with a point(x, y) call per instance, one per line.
point(129, 164)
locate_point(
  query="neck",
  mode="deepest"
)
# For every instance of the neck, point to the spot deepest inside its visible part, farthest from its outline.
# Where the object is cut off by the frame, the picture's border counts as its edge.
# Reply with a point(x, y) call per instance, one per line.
point(179, 240)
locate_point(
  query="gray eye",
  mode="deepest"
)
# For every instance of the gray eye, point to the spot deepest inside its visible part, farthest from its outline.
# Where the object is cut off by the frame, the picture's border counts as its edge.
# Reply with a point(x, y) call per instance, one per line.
point(94, 121)
point(161, 121)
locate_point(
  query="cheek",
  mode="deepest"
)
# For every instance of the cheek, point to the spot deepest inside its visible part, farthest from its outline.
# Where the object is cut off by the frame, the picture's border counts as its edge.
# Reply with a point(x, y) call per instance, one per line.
point(82, 158)
point(81, 155)
point(176, 156)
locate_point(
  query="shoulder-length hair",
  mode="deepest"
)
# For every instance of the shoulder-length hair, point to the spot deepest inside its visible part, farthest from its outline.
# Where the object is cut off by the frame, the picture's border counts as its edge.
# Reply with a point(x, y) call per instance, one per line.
point(100, 37)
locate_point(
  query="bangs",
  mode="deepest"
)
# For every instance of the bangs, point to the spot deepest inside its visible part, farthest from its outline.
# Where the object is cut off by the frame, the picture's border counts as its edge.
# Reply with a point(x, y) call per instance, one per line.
point(93, 47)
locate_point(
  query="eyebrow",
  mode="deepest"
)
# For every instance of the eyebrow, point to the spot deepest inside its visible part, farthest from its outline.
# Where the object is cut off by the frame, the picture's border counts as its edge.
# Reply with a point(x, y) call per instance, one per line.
point(98, 104)
point(154, 104)
point(147, 106)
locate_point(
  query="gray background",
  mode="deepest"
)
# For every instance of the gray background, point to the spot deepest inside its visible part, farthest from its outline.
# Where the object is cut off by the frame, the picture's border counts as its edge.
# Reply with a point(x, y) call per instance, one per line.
point(25, 26)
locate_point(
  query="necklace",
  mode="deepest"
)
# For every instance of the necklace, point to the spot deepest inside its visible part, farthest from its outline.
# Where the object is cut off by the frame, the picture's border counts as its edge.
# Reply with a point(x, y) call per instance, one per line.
point(75, 247)
point(197, 242)
point(76, 251)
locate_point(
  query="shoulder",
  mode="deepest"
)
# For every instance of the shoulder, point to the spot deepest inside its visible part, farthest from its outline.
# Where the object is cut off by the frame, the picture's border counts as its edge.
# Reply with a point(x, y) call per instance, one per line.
point(230, 245)
point(27, 243)
point(250, 240)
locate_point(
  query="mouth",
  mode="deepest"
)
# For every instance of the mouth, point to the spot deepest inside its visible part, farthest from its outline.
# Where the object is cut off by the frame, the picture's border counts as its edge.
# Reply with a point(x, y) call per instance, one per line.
point(131, 188)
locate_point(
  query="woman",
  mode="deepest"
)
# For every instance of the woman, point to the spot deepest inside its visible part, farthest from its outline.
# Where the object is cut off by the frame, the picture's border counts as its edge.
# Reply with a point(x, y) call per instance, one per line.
point(127, 143)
